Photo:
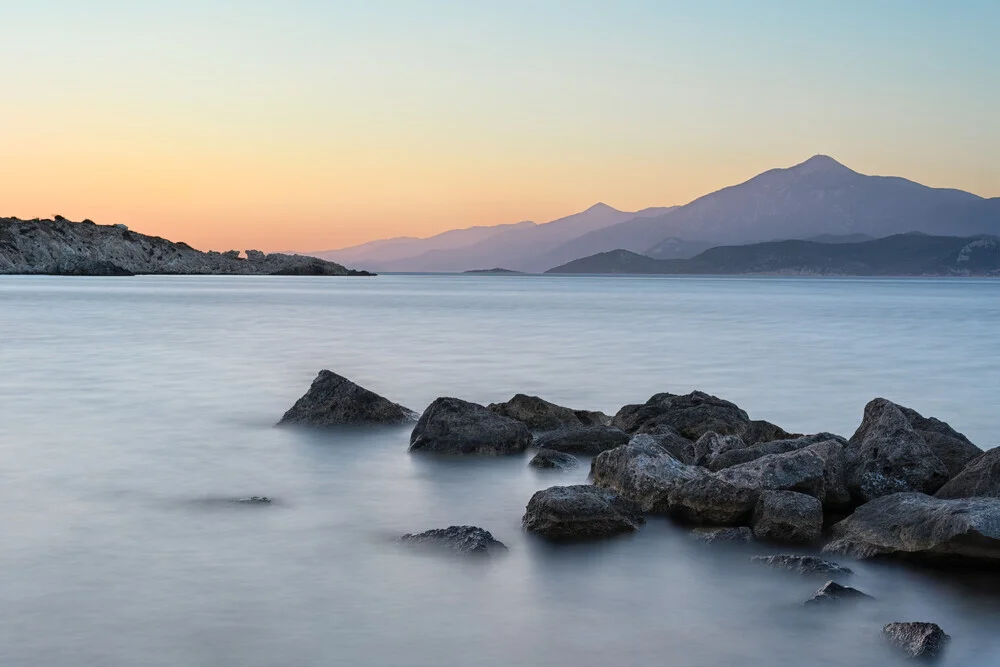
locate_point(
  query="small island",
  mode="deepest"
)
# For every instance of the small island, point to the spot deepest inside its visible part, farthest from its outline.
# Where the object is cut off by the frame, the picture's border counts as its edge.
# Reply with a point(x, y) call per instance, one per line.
point(496, 271)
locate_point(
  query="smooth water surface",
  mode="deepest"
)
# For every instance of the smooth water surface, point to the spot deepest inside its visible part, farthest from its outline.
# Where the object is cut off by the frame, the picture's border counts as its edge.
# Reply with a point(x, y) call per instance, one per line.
point(132, 408)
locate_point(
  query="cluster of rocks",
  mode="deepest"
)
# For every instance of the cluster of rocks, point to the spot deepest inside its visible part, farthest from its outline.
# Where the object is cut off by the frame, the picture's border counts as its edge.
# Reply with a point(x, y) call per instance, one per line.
point(62, 247)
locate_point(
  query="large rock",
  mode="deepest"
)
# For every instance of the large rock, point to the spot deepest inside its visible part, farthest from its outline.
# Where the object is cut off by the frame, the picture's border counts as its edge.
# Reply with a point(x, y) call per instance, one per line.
point(551, 459)
point(953, 448)
point(580, 512)
point(787, 517)
point(801, 470)
point(886, 455)
point(667, 437)
point(836, 496)
point(802, 564)
point(583, 440)
point(980, 478)
point(916, 640)
point(707, 500)
point(536, 413)
point(454, 426)
point(832, 592)
point(732, 457)
point(333, 400)
point(459, 540)
point(642, 472)
point(712, 445)
point(691, 415)
point(919, 527)
point(759, 430)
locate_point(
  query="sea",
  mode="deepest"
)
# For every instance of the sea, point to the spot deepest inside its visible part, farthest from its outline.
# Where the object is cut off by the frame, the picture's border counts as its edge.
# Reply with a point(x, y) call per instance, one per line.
point(132, 410)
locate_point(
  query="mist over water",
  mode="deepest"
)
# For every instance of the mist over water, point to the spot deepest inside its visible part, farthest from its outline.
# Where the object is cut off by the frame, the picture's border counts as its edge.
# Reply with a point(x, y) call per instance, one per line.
point(131, 409)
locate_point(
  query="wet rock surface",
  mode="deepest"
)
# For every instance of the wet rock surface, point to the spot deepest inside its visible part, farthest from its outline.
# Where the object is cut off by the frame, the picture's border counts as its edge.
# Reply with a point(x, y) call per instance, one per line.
point(580, 512)
point(333, 400)
point(458, 540)
point(787, 517)
point(583, 440)
point(712, 535)
point(832, 593)
point(553, 460)
point(916, 640)
point(802, 564)
point(453, 426)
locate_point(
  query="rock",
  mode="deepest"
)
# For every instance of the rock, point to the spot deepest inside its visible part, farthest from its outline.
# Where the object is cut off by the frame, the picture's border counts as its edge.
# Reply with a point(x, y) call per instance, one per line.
point(836, 496)
point(333, 400)
point(643, 472)
point(459, 540)
point(917, 640)
point(802, 564)
point(252, 500)
point(592, 418)
point(730, 458)
point(580, 512)
point(712, 535)
point(584, 440)
point(980, 478)
point(787, 517)
point(677, 445)
point(801, 470)
point(691, 415)
point(548, 458)
point(759, 430)
point(89, 267)
point(953, 448)
point(707, 500)
point(915, 526)
point(711, 445)
point(832, 592)
point(537, 414)
point(885, 455)
point(454, 426)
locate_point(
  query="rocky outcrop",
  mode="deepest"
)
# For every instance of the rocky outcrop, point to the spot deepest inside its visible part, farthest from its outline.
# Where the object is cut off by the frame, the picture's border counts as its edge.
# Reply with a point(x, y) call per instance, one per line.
point(915, 526)
point(712, 445)
point(802, 470)
point(458, 540)
point(832, 592)
point(886, 455)
point(333, 400)
point(454, 426)
point(580, 512)
point(677, 445)
point(732, 457)
point(980, 478)
point(802, 564)
point(691, 415)
point(712, 535)
point(916, 640)
point(953, 448)
point(643, 472)
point(61, 247)
point(537, 414)
point(759, 430)
point(707, 500)
point(583, 440)
point(787, 517)
point(551, 459)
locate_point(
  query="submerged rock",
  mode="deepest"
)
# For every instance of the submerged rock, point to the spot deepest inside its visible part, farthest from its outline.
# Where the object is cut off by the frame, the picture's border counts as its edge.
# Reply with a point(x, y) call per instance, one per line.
point(454, 426)
point(915, 526)
point(536, 413)
point(886, 455)
point(980, 478)
point(917, 640)
point(833, 592)
point(459, 540)
point(802, 564)
point(548, 458)
point(691, 415)
point(252, 500)
point(333, 400)
point(580, 512)
point(712, 535)
point(787, 517)
point(643, 472)
point(583, 440)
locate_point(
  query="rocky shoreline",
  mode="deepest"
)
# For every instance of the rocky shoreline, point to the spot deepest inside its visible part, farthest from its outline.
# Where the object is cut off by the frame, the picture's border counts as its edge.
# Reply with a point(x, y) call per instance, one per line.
point(903, 486)
point(64, 248)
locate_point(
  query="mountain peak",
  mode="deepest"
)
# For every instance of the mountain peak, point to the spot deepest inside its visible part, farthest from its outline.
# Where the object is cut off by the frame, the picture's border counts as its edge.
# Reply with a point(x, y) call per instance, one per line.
point(819, 164)
point(601, 206)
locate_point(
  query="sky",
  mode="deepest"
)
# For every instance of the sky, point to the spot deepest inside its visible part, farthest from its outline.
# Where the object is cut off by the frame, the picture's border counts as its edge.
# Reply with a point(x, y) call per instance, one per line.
point(309, 125)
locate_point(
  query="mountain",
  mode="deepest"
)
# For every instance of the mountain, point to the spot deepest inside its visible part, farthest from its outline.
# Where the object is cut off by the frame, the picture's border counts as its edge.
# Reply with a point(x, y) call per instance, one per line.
point(913, 254)
point(675, 248)
point(62, 247)
point(514, 246)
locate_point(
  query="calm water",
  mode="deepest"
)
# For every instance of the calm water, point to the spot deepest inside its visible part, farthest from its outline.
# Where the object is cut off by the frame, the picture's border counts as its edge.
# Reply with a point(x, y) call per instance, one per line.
point(130, 407)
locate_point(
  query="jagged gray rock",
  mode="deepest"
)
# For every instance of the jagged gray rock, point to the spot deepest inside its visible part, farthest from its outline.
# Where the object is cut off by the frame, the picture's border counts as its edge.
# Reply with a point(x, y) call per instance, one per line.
point(712, 445)
point(787, 517)
point(333, 400)
point(832, 592)
point(61, 247)
point(980, 478)
point(953, 448)
point(459, 540)
point(732, 457)
point(667, 437)
point(453, 426)
point(691, 415)
point(886, 455)
point(580, 512)
point(583, 440)
point(536, 413)
point(802, 564)
point(712, 535)
point(643, 472)
point(759, 430)
point(549, 458)
point(917, 640)
point(915, 526)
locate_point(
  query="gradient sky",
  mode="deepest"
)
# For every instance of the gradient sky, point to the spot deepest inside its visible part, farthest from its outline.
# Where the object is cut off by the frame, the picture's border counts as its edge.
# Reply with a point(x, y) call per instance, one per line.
point(312, 125)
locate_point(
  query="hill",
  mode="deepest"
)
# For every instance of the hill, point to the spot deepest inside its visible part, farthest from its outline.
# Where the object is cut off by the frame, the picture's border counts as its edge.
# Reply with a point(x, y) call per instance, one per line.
point(61, 247)
point(911, 254)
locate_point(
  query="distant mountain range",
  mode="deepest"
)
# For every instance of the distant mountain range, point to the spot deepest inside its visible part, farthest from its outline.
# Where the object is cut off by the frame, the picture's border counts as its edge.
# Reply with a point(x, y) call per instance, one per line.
point(812, 200)
point(912, 254)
